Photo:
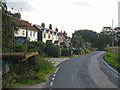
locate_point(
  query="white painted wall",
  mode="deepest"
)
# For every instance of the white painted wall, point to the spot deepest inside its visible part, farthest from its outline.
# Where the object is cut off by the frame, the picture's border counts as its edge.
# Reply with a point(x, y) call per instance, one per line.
point(32, 35)
point(22, 33)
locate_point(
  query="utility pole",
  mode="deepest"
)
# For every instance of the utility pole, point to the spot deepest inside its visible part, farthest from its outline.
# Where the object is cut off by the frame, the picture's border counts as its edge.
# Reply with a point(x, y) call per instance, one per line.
point(26, 43)
point(12, 40)
point(112, 35)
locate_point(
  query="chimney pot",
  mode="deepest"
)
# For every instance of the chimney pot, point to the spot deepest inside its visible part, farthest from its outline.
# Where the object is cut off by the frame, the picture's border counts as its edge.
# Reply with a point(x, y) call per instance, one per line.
point(50, 26)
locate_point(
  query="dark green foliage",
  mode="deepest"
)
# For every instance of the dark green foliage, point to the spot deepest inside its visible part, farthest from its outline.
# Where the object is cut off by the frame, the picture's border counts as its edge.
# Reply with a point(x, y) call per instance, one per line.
point(19, 48)
point(53, 50)
point(40, 46)
point(34, 71)
point(7, 22)
point(88, 36)
point(32, 48)
point(76, 52)
point(65, 52)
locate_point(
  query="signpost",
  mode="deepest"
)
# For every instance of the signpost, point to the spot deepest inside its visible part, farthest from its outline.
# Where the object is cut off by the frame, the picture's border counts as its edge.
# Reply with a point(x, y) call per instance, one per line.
point(108, 47)
point(67, 45)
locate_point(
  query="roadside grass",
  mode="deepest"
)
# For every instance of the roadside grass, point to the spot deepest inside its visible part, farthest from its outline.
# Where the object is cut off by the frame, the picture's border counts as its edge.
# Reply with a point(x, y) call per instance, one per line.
point(34, 72)
point(67, 56)
point(112, 58)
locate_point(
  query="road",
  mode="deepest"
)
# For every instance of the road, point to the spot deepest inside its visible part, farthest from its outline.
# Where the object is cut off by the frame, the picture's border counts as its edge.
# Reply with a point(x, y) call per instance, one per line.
point(87, 71)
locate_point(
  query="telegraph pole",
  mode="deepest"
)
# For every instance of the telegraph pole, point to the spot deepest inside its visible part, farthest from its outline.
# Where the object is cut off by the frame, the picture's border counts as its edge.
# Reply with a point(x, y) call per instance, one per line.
point(112, 35)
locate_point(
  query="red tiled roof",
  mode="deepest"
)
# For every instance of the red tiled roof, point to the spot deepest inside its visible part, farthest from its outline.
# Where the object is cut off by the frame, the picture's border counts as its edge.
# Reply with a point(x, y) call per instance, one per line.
point(23, 22)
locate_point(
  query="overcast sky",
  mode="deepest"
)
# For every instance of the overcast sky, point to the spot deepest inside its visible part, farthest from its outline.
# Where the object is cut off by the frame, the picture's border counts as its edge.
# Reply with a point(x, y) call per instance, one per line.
point(68, 15)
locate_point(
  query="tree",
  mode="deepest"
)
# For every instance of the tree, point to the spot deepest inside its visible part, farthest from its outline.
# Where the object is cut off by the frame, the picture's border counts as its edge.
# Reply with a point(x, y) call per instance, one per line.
point(103, 40)
point(88, 36)
point(77, 41)
point(7, 24)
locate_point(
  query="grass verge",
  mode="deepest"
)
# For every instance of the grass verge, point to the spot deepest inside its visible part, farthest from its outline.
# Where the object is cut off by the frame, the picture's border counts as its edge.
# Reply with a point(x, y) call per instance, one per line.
point(67, 56)
point(34, 72)
point(112, 58)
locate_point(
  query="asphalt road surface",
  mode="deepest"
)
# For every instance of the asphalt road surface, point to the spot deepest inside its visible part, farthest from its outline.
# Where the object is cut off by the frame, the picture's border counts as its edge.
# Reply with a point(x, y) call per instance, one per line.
point(87, 71)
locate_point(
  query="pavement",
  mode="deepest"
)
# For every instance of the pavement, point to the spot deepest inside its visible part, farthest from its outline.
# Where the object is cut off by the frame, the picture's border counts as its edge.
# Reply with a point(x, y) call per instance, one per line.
point(57, 61)
point(87, 71)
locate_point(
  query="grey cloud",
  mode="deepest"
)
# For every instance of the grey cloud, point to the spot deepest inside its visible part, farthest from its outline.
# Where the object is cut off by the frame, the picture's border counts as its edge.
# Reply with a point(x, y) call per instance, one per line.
point(82, 4)
point(18, 5)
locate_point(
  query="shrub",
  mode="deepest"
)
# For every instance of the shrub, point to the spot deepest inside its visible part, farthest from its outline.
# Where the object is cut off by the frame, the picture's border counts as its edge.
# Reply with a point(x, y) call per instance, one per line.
point(65, 52)
point(40, 46)
point(32, 48)
point(76, 52)
point(53, 51)
point(19, 48)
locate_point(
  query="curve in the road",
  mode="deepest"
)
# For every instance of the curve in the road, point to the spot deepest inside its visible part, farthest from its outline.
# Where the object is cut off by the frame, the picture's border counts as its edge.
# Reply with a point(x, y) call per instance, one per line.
point(81, 72)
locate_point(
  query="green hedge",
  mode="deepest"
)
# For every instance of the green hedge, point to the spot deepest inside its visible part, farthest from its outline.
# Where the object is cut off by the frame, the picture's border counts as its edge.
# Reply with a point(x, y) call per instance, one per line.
point(65, 52)
point(40, 46)
point(32, 48)
point(53, 50)
point(19, 48)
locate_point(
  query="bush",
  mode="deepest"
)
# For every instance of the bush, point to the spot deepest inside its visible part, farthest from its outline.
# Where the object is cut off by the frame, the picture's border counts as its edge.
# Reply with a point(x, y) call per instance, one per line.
point(76, 52)
point(32, 48)
point(19, 48)
point(40, 46)
point(65, 52)
point(53, 51)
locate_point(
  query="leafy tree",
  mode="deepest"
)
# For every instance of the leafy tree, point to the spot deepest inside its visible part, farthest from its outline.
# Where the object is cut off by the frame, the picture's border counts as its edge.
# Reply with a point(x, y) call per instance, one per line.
point(7, 24)
point(88, 36)
point(104, 39)
point(77, 41)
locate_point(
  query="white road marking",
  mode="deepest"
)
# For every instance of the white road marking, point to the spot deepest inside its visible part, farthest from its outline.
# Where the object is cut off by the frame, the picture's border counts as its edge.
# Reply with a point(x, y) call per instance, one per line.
point(51, 83)
point(53, 78)
point(57, 70)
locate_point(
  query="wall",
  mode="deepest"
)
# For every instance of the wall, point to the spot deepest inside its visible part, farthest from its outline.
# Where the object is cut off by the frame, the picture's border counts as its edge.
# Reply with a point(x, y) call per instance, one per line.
point(22, 33)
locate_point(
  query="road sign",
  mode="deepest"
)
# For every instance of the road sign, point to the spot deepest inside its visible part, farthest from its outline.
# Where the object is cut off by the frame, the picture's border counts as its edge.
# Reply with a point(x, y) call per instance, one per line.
point(108, 47)
point(67, 45)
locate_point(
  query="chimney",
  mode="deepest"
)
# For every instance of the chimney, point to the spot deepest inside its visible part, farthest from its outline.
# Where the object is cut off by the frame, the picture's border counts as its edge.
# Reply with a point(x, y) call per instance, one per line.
point(17, 15)
point(50, 26)
point(43, 25)
point(56, 29)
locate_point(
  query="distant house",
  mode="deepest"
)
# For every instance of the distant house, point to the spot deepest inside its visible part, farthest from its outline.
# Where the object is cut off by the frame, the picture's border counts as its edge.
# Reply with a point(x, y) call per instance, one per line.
point(63, 38)
point(20, 35)
point(47, 34)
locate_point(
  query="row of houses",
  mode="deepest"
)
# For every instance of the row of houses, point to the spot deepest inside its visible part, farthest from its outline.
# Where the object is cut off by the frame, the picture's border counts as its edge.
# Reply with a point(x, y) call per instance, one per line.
point(39, 33)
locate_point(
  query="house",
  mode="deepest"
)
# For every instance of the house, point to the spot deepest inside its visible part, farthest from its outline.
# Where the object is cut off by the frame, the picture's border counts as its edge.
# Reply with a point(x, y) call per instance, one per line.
point(47, 34)
point(20, 35)
point(63, 38)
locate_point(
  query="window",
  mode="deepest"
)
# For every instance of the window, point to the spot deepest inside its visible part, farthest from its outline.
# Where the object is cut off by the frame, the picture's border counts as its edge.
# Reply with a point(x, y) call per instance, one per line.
point(52, 37)
point(34, 34)
point(44, 35)
point(49, 36)
point(31, 33)
point(23, 32)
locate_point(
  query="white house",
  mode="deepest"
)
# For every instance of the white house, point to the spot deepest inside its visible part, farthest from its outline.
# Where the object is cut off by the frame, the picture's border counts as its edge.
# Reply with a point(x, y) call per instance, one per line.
point(20, 35)
point(47, 35)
